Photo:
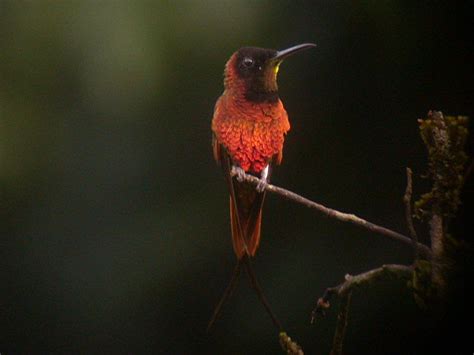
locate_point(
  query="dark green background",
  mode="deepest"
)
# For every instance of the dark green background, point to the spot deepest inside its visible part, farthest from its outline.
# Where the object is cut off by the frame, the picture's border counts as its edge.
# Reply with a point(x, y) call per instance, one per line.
point(114, 217)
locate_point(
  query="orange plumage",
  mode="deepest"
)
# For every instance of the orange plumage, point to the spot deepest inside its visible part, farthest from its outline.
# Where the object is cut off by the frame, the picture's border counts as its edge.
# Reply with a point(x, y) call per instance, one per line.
point(251, 134)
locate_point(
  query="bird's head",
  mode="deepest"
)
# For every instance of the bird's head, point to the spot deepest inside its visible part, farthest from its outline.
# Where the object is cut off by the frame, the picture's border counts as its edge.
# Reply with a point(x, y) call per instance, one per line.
point(252, 71)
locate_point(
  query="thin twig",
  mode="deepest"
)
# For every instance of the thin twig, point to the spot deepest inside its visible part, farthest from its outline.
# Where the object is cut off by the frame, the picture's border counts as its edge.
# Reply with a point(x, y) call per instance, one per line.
point(344, 217)
point(341, 326)
point(408, 213)
point(383, 272)
point(438, 245)
point(442, 144)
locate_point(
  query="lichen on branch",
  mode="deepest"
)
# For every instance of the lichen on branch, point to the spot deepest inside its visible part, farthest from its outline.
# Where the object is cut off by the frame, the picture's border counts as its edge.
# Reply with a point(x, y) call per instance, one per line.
point(290, 346)
point(444, 138)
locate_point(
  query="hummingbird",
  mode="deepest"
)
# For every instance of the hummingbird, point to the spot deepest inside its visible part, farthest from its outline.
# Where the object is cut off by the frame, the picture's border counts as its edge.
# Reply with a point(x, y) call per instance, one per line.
point(248, 132)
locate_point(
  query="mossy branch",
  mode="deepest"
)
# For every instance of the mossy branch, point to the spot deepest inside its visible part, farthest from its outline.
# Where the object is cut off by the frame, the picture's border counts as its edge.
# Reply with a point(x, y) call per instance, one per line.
point(409, 214)
point(444, 138)
point(289, 346)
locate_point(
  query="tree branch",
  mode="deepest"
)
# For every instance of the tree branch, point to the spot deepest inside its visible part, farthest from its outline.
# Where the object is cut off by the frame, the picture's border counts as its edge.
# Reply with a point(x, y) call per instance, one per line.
point(437, 240)
point(351, 282)
point(343, 217)
point(290, 346)
point(408, 213)
point(341, 327)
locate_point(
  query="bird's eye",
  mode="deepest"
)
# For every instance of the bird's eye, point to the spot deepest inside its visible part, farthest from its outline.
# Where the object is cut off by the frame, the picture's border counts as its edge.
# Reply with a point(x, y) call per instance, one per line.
point(248, 62)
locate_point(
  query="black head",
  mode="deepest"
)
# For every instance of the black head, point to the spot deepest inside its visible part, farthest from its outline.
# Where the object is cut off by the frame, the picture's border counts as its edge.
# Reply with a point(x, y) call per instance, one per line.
point(252, 64)
point(251, 61)
point(258, 68)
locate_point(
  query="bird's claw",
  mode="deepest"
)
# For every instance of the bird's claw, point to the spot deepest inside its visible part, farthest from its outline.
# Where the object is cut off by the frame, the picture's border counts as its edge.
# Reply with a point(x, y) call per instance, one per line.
point(262, 185)
point(239, 173)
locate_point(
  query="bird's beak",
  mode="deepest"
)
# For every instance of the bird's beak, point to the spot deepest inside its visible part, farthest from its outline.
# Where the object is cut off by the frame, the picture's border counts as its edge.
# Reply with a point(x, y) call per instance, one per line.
point(280, 55)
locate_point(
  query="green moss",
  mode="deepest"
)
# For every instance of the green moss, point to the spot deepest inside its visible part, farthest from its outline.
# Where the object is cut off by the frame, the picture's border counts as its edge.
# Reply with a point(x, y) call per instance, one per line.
point(289, 345)
point(444, 138)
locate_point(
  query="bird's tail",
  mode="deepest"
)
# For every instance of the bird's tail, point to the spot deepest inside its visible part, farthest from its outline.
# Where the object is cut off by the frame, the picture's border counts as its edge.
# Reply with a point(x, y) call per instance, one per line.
point(246, 262)
point(245, 218)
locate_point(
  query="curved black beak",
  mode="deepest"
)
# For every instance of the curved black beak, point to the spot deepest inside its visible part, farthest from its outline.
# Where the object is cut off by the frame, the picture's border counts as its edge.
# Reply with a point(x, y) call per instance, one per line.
point(280, 55)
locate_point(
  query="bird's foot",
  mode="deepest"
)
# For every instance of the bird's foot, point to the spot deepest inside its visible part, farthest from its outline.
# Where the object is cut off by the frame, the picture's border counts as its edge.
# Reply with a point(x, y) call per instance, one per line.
point(239, 173)
point(262, 185)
